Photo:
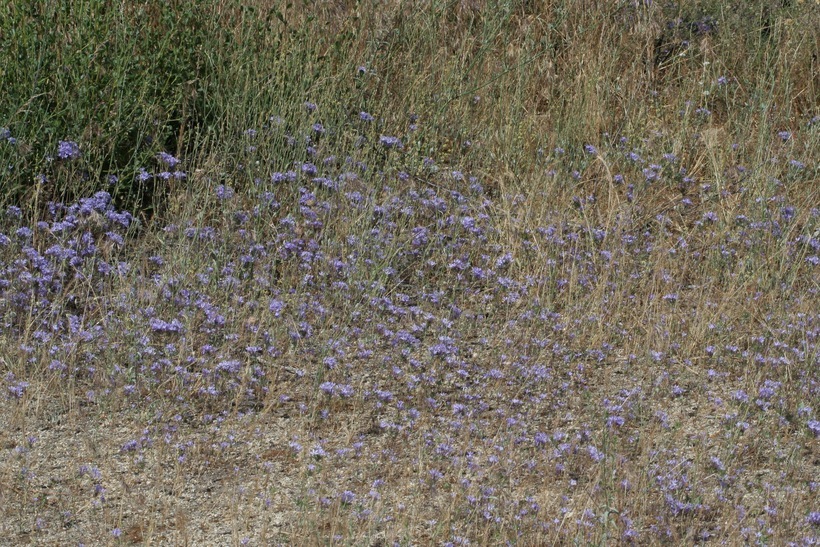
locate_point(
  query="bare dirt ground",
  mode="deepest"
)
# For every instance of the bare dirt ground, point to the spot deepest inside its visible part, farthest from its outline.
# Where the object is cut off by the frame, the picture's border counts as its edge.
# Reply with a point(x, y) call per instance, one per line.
point(221, 483)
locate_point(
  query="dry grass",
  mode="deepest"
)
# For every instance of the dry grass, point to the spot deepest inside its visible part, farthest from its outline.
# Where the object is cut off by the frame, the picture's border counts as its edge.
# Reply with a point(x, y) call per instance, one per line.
point(577, 305)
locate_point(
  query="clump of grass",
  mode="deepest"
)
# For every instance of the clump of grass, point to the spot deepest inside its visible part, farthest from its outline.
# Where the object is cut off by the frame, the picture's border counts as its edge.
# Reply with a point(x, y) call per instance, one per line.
point(471, 274)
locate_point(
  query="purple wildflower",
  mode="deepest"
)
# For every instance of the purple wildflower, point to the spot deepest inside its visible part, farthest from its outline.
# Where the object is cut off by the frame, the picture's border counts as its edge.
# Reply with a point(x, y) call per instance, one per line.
point(614, 421)
point(391, 142)
point(224, 192)
point(595, 454)
point(158, 325)
point(232, 366)
point(68, 150)
point(309, 169)
point(276, 306)
point(168, 159)
point(18, 389)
